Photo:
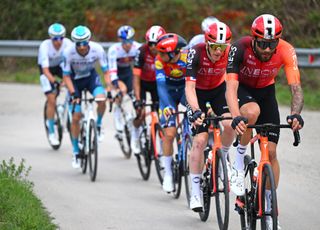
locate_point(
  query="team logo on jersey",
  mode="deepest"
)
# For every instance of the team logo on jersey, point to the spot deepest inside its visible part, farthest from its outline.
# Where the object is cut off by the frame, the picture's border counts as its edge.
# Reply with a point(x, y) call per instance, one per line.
point(158, 64)
point(176, 73)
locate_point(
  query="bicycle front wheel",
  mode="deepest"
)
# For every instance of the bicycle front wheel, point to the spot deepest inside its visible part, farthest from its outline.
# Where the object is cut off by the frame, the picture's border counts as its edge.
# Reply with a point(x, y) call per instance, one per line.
point(157, 149)
point(221, 190)
point(144, 158)
point(58, 130)
point(269, 211)
point(186, 171)
point(206, 189)
point(93, 150)
point(125, 143)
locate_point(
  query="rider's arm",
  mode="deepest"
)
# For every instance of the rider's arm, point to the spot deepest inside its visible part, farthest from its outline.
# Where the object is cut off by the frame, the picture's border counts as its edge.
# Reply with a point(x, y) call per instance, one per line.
point(48, 74)
point(104, 68)
point(43, 60)
point(138, 64)
point(232, 85)
point(67, 72)
point(112, 64)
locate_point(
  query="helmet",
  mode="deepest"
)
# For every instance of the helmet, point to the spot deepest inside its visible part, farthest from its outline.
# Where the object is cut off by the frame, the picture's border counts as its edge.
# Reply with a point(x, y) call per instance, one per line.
point(80, 34)
point(126, 32)
point(56, 30)
point(170, 42)
point(266, 26)
point(154, 33)
point(218, 32)
point(207, 22)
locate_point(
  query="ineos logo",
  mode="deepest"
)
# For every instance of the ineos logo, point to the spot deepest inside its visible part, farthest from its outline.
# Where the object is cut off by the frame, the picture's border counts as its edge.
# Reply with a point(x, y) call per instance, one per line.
point(190, 57)
point(231, 55)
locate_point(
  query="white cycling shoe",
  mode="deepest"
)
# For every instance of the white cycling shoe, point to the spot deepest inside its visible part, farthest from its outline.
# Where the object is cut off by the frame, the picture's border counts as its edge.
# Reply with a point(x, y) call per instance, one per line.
point(167, 184)
point(135, 145)
point(53, 140)
point(237, 182)
point(75, 162)
point(269, 223)
point(195, 204)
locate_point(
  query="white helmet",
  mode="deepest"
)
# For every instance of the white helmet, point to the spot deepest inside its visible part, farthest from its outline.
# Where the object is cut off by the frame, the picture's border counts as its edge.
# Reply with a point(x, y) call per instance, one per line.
point(207, 22)
point(56, 30)
point(80, 34)
point(126, 32)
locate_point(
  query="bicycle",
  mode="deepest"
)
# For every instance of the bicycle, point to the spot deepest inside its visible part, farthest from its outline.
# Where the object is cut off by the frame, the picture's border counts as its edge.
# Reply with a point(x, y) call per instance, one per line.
point(88, 138)
point(251, 206)
point(126, 117)
point(214, 180)
point(151, 144)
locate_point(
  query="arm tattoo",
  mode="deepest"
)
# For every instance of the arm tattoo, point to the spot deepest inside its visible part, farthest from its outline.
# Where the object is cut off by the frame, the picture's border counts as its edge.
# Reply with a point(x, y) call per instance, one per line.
point(297, 99)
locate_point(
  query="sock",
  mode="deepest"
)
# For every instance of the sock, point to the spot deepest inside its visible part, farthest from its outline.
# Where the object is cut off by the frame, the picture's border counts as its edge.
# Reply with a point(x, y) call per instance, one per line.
point(99, 120)
point(167, 160)
point(268, 201)
point(118, 118)
point(195, 184)
point(75, 145)
point(239, 162)
point(51, 125)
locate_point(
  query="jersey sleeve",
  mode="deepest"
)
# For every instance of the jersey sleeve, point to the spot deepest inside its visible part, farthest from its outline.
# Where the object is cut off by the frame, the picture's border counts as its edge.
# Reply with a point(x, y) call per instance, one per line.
point(139, 61)
point(66, 67)
point(112, 63)
point(235, 58)
point(43, 58)
point(192, 64)
point(290, 63)
point(103, 59)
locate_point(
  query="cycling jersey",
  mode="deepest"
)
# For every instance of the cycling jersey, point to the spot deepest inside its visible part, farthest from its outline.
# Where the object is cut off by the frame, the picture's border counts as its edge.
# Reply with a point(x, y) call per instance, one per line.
point(202, 70)
point(120, 62)
point(48, 56)
point(170, 79)
point(78, 66)
point(144, 64)
point(250, 71)
point(197, 39)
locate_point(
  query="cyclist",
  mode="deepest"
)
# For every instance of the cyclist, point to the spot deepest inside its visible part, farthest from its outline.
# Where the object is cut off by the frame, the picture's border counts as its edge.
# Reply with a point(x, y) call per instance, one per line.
point(144, 80)
point(253, 65)
point(170, 75)
point(205, 82)
point(120, 59)
point(200, 38)
point(49, 60)
point(79, 73)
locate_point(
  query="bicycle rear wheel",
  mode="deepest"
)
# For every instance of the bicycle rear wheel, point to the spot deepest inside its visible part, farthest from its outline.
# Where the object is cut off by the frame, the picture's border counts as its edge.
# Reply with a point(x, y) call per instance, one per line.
point(159, 135)
point(144, 158)
point(268, 179)
point(206, 188)
point(82, 143)
point(93, 150)
point(58, 130)
point(125, 142)
point(221, 190)
point(186, 171)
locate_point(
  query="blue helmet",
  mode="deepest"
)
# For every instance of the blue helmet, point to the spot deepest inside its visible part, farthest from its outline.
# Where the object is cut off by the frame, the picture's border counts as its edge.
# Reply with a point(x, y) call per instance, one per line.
point(56, 30)
point(126, 32)
point(80, 34)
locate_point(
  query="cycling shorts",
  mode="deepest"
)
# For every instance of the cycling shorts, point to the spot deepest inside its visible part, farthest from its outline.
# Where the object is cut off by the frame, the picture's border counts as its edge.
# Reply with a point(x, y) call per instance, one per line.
point(47, 86)
point(266, 99)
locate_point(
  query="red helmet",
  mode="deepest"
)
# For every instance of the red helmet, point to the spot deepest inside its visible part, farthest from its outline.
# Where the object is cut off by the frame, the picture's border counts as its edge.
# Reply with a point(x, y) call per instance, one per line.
point(170, 42)
point(154, 33)
point(266, 26)
point(218, 32)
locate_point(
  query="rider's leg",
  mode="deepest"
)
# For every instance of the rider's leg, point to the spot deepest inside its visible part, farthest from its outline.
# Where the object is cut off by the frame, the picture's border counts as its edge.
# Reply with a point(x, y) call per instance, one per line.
point(75, 128)
point(117, 111)
point(51, 107)
point(227, 136)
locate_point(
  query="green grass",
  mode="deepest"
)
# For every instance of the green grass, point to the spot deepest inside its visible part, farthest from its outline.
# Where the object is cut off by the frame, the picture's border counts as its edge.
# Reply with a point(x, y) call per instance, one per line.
point(20, 209)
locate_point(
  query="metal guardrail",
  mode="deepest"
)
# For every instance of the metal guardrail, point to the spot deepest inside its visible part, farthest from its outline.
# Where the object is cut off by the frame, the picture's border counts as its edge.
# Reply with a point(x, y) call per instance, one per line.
point(307, 58)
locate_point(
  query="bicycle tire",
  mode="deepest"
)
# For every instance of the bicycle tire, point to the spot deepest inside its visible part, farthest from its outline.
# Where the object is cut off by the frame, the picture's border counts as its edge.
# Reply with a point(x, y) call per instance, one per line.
point(186, 171)
point(222, 190)
point(57, 126)
point(144, 158)
point(82, 142)
point(206, 188)
point(93, 150)
point(268, 178)
point(159, 134)
point(125, 143)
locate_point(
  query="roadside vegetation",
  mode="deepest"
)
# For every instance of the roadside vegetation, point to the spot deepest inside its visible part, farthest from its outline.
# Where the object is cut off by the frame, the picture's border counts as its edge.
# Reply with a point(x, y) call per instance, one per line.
point(20, 209)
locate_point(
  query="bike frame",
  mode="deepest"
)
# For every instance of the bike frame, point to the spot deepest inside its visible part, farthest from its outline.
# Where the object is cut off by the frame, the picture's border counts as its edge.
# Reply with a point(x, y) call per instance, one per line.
point(88, 115)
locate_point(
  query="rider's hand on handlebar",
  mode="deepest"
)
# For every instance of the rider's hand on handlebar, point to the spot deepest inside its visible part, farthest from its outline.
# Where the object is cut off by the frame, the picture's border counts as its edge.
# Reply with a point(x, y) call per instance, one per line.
point(296, 121)
point(74, 99)
point(197, 117)
point(167, 112)
point(137, 104)
point(239, 124)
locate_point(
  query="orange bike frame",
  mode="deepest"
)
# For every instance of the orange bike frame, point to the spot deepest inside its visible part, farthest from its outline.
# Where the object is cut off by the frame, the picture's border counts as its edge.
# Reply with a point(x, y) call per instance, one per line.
point(264, 159)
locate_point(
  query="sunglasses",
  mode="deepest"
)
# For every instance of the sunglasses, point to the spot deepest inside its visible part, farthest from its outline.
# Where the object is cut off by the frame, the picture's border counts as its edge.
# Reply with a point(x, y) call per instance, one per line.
point(57, 38)
point(84, 43)
point(265, 44)
point(152, 44)
point(215, 46)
